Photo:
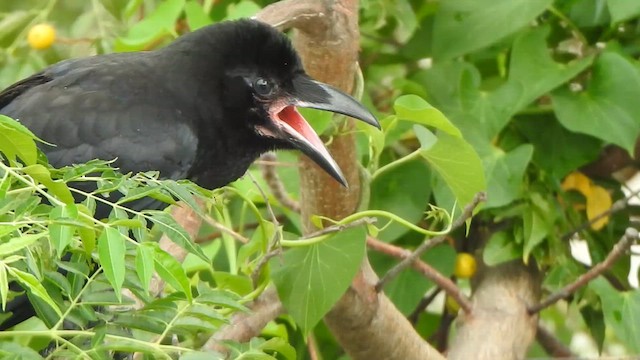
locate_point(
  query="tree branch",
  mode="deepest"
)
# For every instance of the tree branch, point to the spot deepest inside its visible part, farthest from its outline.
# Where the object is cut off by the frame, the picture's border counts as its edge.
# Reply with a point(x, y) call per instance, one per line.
point(426, 245)
point(425, 269)
point(287, 14)
point(619, 248)
point(244, 326)
point(422, 305)
point(499, 325)
point(552, 345)
point(275, 184)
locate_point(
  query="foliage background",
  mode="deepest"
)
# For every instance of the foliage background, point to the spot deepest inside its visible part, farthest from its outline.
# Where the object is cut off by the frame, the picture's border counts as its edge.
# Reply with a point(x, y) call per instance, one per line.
point(532, 91)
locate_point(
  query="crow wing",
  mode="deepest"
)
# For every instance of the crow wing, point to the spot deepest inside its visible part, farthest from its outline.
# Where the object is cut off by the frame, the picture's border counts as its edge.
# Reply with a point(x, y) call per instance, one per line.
point(107, 107)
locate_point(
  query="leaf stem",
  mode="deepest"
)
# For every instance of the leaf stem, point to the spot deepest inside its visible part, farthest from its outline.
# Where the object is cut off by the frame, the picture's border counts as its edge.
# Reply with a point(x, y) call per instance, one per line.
point(396, 163)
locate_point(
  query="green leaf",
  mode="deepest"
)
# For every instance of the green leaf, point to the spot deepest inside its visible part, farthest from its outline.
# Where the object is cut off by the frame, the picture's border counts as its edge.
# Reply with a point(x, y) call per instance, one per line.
point(505, 172)
point(595, 319)
point(175, 232)
point(501, 248)
point(181, 193)
point(18, 243)
point(535, 230)
point(42, 175)
point(621, 310)
point(61, 235)
point(414, 108)
point(206, 313)
point(140, 233)
point(608, 108)
point(13, 22)
point(4, 286)
point(88, 233)
point(17, 141)
point(33, 285)
point(551, 152)
point(158, 23)
point(589, 13)
point(242, 9)
point(311, 279)
point(196, 17)
point(16, 351)
point(111, 252)
point(458, 165)
point(532, 66)
point(144, 264)
point(621, 10)
point(171, 271)
point(221, 298)
point(279, 346)
point(403, 190)
point(464, 26)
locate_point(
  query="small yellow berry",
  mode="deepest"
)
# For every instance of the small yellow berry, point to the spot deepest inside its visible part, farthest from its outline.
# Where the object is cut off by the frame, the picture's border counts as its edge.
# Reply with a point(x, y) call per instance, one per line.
point(41, 36)
point(465, 266)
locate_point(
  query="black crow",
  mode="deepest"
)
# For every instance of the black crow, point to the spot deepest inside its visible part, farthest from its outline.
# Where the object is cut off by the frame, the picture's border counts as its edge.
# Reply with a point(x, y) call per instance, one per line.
point(203, 108)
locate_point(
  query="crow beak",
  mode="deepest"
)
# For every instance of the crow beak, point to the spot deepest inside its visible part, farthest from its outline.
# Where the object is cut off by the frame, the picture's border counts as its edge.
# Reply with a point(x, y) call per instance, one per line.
point(293, 128)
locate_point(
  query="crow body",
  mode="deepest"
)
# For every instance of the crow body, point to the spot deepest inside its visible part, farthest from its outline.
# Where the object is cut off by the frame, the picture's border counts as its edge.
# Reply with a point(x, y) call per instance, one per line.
point(189, 110)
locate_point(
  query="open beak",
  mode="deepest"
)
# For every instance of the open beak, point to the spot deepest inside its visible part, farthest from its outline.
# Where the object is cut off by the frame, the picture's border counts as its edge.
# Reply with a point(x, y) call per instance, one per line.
point(290, 125)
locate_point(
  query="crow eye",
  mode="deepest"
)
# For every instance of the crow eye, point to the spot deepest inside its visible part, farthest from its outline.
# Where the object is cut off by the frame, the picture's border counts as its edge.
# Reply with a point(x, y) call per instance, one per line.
point(263, 87)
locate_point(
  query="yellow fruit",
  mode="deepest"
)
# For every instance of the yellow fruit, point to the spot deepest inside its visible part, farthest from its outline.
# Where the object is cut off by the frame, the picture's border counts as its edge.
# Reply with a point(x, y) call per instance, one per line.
point(465, 265)
point(41, 36)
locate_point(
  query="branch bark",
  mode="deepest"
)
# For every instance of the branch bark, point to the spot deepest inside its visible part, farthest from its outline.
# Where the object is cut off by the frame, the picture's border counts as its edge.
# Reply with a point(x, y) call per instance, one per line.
point(499, 325)
point(244, 326)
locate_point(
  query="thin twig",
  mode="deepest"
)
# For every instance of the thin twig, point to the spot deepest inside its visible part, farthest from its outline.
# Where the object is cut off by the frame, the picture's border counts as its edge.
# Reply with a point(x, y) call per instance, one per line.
point(426, 245)
point(552, 345)
point(341, 227)
point(312, 346)
point(619, 205)
point(275, 184)
point(425, 269)
point(619, 248)
point(274, 245)
point(274, 218)
point(422, 305)
point(218, 225)
point(212, 236)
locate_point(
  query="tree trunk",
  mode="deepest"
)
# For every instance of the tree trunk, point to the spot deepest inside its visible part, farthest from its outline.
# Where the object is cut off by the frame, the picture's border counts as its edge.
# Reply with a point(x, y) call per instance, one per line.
point(499, 326)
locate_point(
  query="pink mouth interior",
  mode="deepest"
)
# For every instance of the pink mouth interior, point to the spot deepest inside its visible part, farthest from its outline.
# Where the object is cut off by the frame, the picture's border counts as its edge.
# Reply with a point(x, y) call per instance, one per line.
point(294, 119)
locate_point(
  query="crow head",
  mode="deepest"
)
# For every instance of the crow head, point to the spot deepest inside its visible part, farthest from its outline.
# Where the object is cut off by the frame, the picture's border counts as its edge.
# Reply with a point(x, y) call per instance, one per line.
point(264, 83)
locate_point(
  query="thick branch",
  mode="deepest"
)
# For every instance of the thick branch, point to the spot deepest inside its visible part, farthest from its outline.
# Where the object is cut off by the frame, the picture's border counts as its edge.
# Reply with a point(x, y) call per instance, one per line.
point(368, 325)
point(299, 14)
point(499, 325)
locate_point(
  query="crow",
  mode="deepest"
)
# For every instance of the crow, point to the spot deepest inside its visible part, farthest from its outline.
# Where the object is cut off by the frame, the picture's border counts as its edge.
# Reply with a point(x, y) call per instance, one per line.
point(202, 108)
